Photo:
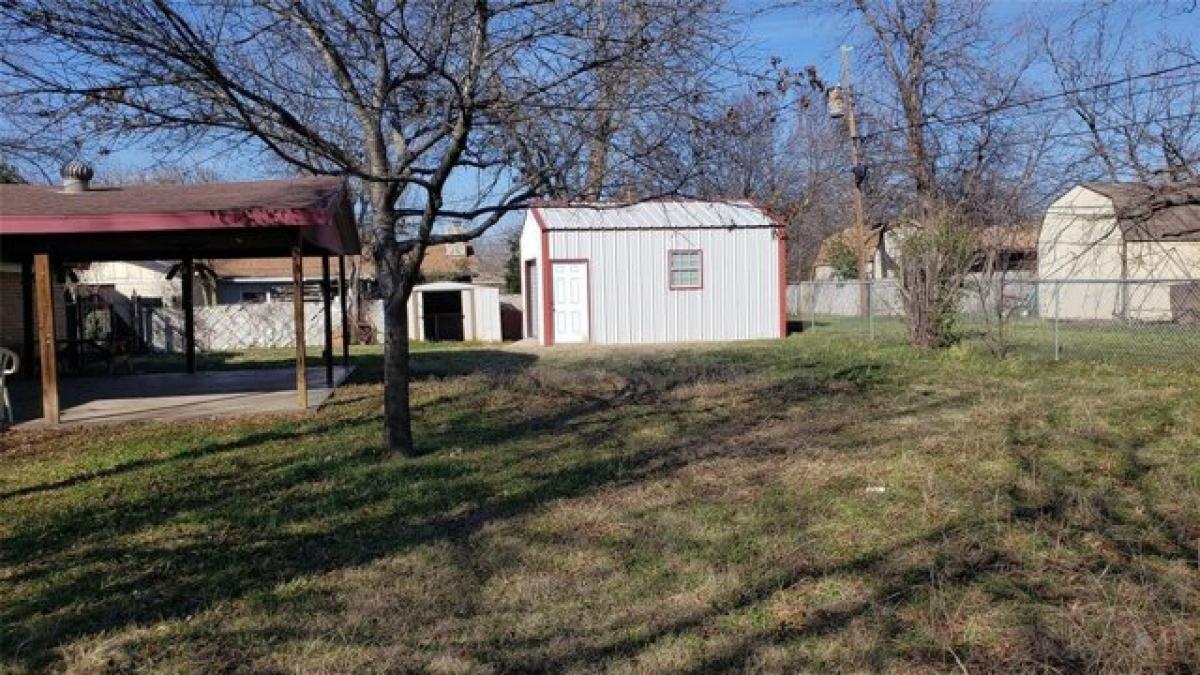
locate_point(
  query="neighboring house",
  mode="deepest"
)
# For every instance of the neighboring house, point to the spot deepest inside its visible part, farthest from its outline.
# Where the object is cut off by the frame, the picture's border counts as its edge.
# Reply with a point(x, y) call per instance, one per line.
point(1121, 251)
point(1015, 248)
point(143, 282)
point(1012, 249)
point(880, 263)
point(660, 271)
point(254, 280)
point(270, 280)
point(15, 326)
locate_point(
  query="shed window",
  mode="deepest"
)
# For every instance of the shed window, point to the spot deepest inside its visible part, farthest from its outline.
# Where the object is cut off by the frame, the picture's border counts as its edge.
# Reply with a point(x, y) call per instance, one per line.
point(686, 271)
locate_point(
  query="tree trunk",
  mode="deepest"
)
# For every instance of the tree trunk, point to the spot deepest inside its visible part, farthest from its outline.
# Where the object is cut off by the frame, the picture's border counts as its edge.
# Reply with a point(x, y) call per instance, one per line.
point(397, 418)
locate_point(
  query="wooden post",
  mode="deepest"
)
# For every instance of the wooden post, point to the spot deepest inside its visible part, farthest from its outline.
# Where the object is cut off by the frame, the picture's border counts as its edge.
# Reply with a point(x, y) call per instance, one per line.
point(298, 317)
point(327, 310)
point(44, 290)
point(861, 236)
point(28, 320)
point(186, 275)
point(345, 316)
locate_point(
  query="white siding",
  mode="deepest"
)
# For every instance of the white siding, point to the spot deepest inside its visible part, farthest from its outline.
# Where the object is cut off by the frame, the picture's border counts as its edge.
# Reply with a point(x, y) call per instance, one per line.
point(1080, 245)
point(480, 306)
point(1080, 240)
point(531, 249)
point(487, 313)
point(630, 298)
point(145, 279)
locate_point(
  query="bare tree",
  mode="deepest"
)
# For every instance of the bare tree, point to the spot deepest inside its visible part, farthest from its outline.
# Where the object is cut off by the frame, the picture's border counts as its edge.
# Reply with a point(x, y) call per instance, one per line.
point(940, 157)
point(1133, 104)
point(441, 109)
point(775, 144)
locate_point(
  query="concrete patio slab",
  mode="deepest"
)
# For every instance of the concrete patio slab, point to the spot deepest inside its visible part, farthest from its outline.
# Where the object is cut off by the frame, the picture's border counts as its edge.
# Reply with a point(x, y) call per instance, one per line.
point(170, 396)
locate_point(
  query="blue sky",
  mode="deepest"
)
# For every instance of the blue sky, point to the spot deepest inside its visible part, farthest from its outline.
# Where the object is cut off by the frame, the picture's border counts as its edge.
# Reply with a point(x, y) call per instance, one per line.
point(799, 35)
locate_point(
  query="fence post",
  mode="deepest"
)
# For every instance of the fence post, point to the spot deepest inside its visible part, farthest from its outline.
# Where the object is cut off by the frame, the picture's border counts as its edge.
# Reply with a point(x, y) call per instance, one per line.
point(1057, 346)
point(871, 309)
point(812, 307)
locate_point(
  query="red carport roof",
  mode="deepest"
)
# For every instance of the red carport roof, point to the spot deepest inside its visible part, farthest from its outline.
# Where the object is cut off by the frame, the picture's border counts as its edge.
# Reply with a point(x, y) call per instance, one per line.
point(225, 219)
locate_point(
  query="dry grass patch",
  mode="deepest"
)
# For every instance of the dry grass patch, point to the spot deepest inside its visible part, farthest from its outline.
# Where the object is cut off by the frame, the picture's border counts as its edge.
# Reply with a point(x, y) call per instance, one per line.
point(779, 507)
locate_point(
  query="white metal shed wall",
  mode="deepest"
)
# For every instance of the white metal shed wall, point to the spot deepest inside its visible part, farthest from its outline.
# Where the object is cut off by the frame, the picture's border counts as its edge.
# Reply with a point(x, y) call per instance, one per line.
point(480, 305)
point(630, 296)
point(487, 313)
point(531, 250)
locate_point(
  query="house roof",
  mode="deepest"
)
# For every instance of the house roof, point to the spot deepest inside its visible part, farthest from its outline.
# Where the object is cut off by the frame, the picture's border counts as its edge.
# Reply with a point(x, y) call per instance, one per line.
point(266, 268)
point(438, 261)
point(845, 236)
point(169, 221)
point(653, 215)
point(1147, 212)
point(1020, 237)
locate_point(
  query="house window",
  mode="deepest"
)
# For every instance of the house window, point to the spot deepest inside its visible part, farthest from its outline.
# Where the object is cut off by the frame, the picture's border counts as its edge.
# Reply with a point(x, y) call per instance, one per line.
point(685, 269)
point(254, 296)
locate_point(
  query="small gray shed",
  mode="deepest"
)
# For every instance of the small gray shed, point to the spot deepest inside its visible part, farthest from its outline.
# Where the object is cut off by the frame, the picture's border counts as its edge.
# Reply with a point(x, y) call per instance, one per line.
point(454, 311)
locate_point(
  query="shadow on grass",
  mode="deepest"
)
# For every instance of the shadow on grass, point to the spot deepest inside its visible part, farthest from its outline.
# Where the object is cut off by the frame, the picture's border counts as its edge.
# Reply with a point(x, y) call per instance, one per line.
point(249, 517)
point(159, 539)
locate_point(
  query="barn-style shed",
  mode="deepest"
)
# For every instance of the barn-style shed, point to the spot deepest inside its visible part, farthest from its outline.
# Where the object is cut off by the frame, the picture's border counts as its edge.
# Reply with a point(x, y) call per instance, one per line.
point(1121, 251)
point(653, 272)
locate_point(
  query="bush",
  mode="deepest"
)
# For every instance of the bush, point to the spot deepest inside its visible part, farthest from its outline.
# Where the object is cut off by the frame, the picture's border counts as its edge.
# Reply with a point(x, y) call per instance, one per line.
point(935, 256)
point(842, 260)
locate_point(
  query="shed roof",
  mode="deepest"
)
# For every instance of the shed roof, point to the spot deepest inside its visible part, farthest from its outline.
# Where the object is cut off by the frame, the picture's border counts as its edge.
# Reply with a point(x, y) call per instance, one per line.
point(169, 221)
point(653, 215)
point(1148, 212)
point(444, 286)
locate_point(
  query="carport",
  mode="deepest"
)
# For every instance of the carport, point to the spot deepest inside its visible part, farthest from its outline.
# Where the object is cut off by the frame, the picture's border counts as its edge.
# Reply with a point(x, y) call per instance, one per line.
point(42, 228)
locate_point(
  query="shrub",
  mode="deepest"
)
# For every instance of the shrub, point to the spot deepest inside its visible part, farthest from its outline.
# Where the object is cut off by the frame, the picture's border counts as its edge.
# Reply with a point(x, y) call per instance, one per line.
point(935, 256)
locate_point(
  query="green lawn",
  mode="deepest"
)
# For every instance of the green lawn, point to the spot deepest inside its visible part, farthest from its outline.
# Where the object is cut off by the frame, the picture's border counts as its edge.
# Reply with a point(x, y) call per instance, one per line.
point(1038, 339)
point(820, 503)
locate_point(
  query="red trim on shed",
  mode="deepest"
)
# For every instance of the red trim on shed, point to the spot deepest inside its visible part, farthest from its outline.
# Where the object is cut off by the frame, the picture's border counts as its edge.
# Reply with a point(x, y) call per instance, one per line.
point(547, 282)
point(781, 234)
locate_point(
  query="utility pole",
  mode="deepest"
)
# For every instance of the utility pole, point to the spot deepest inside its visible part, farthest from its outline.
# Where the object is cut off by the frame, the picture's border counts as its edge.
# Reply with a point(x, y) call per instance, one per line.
point(841, 102)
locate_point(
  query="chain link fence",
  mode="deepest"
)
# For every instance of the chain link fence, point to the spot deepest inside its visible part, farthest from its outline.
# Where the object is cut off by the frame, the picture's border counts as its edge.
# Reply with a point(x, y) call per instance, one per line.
point(1144, 320)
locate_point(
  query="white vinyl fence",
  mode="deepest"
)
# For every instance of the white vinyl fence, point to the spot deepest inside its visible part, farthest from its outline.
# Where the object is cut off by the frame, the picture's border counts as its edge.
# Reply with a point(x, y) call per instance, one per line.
point(246, 326)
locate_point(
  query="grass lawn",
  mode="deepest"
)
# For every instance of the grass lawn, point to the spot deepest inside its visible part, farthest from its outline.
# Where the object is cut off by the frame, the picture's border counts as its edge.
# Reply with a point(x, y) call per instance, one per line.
point(1036, 339)
point(820, 503)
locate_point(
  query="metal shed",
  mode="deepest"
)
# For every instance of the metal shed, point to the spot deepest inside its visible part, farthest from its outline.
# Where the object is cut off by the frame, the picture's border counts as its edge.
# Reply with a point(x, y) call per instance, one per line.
point(653, 272)
point(455, 311)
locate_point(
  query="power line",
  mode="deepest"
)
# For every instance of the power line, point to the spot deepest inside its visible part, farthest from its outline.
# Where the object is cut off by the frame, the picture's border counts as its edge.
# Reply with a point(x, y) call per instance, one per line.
point(970, 116)
point(1065, 134)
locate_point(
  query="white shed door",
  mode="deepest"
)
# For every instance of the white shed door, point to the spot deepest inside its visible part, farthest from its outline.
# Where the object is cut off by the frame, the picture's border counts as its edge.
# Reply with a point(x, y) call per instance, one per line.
point(570, 301)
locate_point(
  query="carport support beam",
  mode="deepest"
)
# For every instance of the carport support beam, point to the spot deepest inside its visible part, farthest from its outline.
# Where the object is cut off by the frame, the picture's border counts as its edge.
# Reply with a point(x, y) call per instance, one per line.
point(186, 277)
point(342, 291)
point(327, 309)
point(44, 292)
point(298, 318)
point(29, 321)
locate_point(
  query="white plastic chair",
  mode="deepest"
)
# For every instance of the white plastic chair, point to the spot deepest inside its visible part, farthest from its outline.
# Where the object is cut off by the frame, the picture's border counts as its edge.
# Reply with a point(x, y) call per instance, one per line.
point(9, 364)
